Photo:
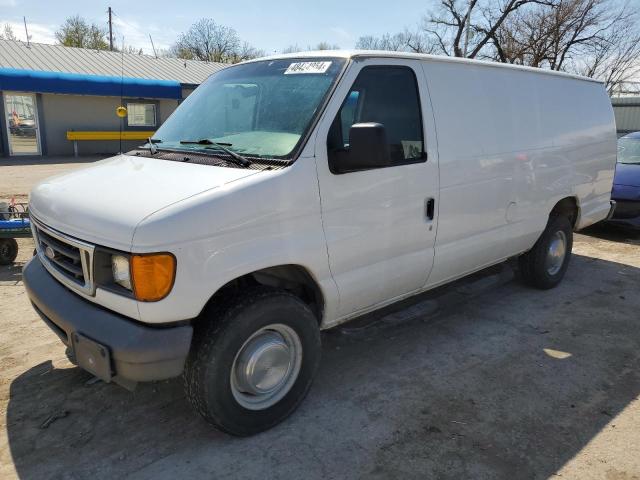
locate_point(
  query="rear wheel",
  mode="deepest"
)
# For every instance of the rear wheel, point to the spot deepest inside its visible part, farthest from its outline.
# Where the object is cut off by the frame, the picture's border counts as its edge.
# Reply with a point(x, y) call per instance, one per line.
point(8, 250)
point(546, 263)
point(253, 361)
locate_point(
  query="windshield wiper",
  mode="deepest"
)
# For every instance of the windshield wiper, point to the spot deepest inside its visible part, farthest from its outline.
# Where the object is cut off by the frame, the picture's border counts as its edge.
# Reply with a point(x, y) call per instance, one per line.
point(152, 145)
point(239, 159)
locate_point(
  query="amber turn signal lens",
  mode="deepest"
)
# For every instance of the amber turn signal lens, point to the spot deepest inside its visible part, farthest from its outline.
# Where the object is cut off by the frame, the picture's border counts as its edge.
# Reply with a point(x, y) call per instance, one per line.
point(152, 276)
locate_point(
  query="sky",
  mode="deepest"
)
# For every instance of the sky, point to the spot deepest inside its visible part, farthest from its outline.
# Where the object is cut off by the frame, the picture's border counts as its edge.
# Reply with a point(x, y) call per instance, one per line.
point(270, 25)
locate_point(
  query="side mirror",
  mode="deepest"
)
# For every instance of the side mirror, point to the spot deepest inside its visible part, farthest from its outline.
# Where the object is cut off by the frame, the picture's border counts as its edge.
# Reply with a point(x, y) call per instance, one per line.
point(368, 148)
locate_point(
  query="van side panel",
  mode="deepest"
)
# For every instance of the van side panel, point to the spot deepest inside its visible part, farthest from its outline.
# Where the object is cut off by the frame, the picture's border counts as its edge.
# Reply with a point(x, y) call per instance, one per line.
point(512, 143)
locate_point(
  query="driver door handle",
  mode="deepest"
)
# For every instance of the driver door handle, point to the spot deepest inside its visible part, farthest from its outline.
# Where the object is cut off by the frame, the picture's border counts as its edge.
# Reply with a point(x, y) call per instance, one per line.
point(429, 208)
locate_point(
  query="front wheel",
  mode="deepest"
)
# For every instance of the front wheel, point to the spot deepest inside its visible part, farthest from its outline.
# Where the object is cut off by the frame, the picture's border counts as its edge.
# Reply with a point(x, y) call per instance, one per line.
point(252, 364)
point(546, 263)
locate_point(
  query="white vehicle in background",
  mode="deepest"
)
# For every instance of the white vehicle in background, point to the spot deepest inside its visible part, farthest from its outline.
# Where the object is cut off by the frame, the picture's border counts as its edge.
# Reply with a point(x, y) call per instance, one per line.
point(290, 194)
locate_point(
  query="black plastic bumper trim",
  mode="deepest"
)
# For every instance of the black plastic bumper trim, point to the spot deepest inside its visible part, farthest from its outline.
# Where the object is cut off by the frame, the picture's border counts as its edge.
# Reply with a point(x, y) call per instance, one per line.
point(139, 353)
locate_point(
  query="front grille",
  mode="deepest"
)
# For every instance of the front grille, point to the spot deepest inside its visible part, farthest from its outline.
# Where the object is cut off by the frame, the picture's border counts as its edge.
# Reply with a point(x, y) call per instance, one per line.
point(68, 259)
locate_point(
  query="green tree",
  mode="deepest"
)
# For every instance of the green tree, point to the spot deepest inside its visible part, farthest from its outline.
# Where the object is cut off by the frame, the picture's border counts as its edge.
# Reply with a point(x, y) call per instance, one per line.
point(77, 32)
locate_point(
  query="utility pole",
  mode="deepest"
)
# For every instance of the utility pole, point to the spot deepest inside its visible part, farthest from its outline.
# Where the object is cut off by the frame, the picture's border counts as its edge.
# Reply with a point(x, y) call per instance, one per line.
point(26, 32)
point(110, 32)
point(152, 46)
point(467, 22)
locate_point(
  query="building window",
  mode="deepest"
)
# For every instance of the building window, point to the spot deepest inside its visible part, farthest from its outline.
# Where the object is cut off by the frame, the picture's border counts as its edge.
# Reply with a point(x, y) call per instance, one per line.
point(141, 114)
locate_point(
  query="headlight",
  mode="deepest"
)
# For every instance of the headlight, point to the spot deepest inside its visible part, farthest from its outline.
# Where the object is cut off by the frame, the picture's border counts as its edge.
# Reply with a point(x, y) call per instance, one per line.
point(121, 271)
point(149, 277)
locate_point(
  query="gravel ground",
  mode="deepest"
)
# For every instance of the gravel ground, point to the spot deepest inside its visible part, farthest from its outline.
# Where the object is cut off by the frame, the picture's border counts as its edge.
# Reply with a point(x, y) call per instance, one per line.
point(481, 379)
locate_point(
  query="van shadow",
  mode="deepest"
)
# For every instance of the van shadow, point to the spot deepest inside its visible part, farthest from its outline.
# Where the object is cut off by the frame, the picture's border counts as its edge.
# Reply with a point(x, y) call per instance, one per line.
point(454, 384)
point(613, 232)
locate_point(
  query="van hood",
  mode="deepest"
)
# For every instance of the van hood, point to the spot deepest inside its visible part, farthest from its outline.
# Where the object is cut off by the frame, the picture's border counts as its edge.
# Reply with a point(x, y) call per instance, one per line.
point(103, 203)
point(627, 174)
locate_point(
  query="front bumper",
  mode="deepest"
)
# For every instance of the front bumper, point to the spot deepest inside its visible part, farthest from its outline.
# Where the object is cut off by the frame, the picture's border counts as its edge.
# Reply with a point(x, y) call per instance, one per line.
point(119, 349)
point(627, 212)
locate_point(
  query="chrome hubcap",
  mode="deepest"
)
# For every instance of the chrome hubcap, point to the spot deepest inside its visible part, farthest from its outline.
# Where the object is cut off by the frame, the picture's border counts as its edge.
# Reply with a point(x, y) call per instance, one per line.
point(556, 253)
point(266, 367)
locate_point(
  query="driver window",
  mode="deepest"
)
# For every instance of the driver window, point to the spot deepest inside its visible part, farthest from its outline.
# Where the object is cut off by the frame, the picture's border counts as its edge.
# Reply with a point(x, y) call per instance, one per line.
point(386, 95)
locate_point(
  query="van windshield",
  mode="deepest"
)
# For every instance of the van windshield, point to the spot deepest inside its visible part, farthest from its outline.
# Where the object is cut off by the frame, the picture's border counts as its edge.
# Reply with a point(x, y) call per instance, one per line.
point(258, 109)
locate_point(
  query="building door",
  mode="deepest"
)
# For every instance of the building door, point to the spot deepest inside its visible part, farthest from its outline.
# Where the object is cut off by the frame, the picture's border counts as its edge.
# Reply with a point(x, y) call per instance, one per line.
point(21, 118)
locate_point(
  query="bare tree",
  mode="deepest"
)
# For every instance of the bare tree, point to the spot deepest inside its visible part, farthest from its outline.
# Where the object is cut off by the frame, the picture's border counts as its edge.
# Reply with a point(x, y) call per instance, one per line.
point(456, 28)
point(465, 29)
point(245, 52)
point(130, 49)
point(325, 46)
point(615, 57)
point(292, 49)
point(596, 38)
point(209, 41)
point(407, 41)
point(547, 36)
point(7, 33)
point(319, 46)
point(77, 32)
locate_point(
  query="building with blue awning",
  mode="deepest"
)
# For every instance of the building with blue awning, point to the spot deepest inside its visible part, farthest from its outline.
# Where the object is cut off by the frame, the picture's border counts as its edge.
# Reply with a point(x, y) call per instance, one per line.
point(49, 91)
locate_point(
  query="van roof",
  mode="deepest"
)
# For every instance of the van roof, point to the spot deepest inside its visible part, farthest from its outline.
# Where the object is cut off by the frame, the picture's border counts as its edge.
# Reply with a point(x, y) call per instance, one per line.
point(420, 56)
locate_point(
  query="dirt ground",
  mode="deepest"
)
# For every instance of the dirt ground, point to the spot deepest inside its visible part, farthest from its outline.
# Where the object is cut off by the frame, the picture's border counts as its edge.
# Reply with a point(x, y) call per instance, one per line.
point(482, 379)
point(19, 174)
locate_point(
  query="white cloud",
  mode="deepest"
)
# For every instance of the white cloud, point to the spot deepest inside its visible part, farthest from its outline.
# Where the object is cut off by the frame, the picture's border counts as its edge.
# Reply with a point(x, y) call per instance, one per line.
point(342, 37)
point(8, 3)
point(38, 32)
point(137, 34)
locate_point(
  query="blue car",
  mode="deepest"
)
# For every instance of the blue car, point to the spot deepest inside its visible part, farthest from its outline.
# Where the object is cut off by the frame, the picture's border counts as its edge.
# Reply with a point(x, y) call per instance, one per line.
point(626, 182)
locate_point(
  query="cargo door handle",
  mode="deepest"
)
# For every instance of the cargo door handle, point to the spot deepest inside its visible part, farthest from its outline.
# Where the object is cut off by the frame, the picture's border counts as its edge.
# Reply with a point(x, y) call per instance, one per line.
point(429, 208)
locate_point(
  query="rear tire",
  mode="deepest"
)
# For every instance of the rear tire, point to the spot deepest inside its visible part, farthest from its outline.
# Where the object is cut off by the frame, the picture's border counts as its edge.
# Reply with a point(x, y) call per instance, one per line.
point(8, 250)
point(252, 361)
point(545, 265)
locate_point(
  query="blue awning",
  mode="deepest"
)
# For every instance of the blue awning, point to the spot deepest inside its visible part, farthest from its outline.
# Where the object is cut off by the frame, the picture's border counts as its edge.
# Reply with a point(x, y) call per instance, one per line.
point(84, 84)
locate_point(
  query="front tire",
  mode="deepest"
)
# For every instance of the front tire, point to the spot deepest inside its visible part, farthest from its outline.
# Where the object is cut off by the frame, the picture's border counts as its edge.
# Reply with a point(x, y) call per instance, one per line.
point(253, 361)
point(545, 265)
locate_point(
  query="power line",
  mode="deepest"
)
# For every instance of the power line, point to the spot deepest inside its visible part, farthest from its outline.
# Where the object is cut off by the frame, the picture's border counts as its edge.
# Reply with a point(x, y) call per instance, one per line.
point(132, 27)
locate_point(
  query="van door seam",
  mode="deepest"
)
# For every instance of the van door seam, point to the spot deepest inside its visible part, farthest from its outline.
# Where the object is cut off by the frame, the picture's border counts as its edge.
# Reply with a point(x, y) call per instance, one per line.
point(326, 242)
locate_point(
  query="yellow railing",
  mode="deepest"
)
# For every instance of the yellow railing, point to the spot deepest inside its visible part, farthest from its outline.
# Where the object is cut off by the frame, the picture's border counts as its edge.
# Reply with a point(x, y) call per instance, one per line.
point(127, 135)
point(76, 136)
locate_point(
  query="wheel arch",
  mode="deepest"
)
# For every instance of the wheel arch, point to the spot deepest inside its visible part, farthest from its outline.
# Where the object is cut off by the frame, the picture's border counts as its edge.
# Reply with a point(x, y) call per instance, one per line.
point(568, 206)
point(294, 278)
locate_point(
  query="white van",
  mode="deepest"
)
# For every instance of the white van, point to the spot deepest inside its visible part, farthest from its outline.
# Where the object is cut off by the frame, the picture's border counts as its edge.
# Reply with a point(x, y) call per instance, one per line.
point(290, 194)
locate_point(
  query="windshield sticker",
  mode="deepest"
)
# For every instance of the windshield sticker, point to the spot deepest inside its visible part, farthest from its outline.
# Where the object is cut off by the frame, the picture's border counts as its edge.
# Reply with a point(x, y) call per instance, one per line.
point(308, 67)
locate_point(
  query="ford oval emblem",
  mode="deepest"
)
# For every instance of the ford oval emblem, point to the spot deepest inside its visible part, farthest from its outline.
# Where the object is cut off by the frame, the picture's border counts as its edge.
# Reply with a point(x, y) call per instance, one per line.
point(49, 253)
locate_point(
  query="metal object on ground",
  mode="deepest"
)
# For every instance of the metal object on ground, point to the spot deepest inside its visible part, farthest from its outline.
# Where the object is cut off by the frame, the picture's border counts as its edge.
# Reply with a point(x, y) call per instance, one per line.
point(14, 223)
